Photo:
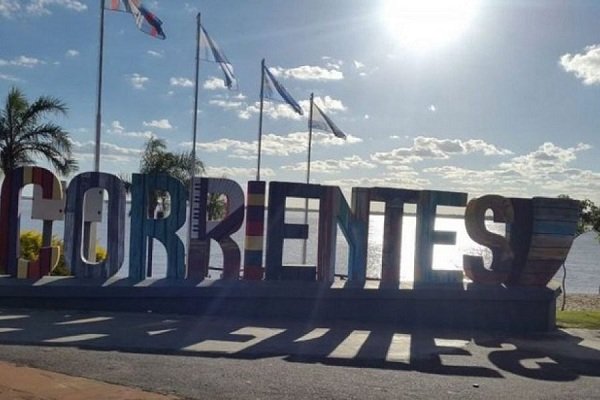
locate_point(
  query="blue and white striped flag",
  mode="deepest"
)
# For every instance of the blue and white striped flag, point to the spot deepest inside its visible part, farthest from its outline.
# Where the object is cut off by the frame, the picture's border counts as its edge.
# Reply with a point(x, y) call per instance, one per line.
point(145, 20)
point(268, 84)
point(322, 122)
point(212, 53)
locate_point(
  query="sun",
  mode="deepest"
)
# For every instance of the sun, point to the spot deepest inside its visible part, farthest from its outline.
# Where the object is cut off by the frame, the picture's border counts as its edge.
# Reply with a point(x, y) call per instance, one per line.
point(425, 24)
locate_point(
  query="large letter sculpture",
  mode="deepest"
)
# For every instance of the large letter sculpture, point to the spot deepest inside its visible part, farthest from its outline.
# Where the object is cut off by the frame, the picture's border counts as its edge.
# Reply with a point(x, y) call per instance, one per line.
point(278, 230)
point(394, 200)
point(165, 229)
point(74, 219)
point(204, 230)
point(539, 235)
point(334, 211)
point(427, 236)
point(502, 253)
point(255, 230)
point(9, 228)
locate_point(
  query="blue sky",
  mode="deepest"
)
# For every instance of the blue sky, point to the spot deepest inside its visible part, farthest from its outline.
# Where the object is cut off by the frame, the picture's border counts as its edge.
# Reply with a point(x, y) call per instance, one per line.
point(506, 104)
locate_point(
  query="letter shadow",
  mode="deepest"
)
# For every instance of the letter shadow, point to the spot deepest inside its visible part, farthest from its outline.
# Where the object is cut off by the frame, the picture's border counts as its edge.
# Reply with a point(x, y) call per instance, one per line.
point(557, 356)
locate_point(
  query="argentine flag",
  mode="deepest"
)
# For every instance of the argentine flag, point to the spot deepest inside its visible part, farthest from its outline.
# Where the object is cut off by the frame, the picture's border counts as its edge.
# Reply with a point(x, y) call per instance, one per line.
point(322, 122)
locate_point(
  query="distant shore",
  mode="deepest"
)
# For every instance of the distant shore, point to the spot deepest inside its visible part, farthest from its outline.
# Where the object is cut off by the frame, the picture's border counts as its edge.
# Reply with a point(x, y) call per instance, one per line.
point(579, 302)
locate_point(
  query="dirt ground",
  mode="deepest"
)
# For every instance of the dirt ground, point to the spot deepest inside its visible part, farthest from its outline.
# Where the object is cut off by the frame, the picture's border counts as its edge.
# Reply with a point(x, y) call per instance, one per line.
point(579, 302)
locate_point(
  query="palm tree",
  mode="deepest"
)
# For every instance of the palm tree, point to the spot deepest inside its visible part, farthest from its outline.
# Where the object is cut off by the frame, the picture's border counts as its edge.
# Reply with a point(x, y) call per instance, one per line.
point(25, 135)
point(157, 160)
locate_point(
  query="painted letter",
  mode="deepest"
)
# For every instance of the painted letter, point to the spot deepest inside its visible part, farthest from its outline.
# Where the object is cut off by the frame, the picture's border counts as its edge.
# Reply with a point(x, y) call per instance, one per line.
point(278, 230)
point(503, 255)
point(426, 236)
point(144, 228)
point(9, 228)
point(74, 219)
point(204, 230)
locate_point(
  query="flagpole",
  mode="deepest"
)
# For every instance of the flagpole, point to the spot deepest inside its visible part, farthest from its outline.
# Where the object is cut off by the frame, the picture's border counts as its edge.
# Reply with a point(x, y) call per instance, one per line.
point(260, 117)
point(99, 94)
point(310, 117)
point(89, 228)
point(194, 136)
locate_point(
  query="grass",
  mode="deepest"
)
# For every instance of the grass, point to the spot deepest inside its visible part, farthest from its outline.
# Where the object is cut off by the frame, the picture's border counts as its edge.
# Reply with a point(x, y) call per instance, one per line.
point(578, 319)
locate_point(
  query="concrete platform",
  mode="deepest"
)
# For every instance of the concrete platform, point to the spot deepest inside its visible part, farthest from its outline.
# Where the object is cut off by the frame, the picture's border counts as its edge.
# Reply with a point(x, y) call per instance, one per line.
point(461, 306)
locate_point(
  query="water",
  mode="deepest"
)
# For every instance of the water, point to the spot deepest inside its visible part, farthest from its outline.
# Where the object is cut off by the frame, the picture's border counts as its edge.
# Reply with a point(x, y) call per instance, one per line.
point(583, 272)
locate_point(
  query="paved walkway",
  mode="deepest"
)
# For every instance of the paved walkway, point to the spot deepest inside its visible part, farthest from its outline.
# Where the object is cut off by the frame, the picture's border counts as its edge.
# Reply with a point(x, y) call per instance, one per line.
point(24, 383)
point(218, 358)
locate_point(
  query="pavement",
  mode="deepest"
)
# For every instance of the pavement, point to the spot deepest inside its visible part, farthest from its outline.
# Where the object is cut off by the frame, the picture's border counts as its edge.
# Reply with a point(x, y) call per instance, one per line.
point(87, 355)
point(25, 383)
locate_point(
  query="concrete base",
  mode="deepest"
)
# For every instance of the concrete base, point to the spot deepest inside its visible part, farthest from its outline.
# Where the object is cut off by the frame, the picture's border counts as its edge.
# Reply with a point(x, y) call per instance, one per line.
point(458, 307)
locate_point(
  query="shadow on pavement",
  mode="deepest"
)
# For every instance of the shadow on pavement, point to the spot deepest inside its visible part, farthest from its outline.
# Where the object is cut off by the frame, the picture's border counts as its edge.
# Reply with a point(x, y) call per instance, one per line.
point(559, 356)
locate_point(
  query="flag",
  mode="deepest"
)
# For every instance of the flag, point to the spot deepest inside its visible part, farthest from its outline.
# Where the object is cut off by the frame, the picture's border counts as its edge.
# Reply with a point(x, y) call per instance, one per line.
point(322, 122)
point(145, 20)
point(269, 82)
point(212, 53)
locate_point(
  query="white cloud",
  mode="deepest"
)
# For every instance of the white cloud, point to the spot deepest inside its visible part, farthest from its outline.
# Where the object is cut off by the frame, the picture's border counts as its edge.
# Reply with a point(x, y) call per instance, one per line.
point(22, 61)
point(333, 62)
point(308, 72)
point(274, 145)
point(546, 159)
point(242, 174)
point(9, 78)
point(426, 147)
point(183, 82)
point(278, 110)
point(585, 66)
point(138, 81)
point(270, 110)
point(406, 179)
point(361, 68)
point(41, 7)
point(9, 7)
point(214, 83)
point(327, 104)
point(105, 149)
point(155, 54)
point(160, 124)
point(226, 104)
point(72, 53)
point(117, 129)
point(333, 166)
point(543, 172)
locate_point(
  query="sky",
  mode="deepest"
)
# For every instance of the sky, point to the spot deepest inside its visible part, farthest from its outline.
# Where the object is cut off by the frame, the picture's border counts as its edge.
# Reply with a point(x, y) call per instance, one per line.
point(472, 96)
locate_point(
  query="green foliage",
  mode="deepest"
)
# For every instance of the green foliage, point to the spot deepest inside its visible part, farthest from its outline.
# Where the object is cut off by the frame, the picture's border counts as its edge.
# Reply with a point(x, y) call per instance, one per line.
point(25, 135)
point(30, 243)
point(217, 205)
point(589, 217)
point(578, 319)
point(157, 159)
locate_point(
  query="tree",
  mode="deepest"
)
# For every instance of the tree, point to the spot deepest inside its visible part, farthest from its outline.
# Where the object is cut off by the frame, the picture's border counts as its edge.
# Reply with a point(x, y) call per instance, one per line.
point(589, 217)
point(25, 135)
point(589, 220)
point(157, 160)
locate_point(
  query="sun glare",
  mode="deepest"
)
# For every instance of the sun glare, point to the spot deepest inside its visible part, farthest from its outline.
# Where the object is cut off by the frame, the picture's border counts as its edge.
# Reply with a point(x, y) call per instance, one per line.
point(424, 24)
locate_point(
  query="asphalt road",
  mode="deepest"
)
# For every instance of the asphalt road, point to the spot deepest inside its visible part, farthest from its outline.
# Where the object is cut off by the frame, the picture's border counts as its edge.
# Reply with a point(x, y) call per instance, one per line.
point(201, 358)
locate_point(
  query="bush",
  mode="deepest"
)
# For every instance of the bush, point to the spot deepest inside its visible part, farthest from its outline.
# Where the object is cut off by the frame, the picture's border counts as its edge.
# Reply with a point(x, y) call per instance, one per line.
point(30, 243)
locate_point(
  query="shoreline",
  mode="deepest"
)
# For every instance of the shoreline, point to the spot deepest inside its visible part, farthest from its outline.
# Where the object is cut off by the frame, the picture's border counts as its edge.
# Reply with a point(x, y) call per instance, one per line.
point(579, 302)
